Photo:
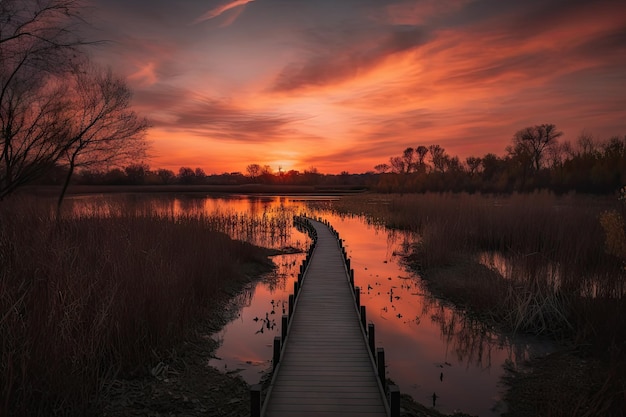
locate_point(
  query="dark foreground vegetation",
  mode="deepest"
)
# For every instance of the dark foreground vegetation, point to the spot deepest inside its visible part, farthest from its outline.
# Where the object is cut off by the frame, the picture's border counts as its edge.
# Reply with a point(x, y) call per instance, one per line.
point(87, 299)
point(539, 264)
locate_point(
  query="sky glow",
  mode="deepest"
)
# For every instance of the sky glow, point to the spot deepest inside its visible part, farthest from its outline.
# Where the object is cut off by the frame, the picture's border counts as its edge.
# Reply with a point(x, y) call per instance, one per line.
point(344, 85)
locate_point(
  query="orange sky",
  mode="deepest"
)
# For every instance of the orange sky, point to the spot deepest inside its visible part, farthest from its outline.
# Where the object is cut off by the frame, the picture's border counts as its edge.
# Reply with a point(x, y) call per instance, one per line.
point(342, 86)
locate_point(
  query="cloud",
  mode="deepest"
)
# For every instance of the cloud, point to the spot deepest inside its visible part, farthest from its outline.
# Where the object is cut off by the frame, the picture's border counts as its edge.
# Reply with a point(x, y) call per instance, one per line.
point(145, 75)
point(178, 109)
point(219, 10)
point(341, 56)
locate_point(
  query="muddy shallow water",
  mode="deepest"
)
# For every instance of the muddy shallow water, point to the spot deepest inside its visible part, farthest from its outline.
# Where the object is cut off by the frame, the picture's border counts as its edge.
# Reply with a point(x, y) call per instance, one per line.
point(430, 347)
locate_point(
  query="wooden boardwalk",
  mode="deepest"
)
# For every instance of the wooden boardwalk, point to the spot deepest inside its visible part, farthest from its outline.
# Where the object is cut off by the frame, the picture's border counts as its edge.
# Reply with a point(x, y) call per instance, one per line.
point(325, 367)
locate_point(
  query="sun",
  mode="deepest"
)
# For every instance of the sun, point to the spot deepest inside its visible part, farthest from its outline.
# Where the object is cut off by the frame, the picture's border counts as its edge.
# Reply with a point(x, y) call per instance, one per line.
point(283, 165)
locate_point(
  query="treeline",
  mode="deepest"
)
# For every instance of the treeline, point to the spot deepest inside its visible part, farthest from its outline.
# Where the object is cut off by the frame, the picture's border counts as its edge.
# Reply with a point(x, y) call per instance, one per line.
point(142, 174)
point(534, 160)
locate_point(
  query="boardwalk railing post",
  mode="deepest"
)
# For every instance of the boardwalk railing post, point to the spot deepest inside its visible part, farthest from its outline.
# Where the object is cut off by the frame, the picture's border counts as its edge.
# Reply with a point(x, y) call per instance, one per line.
point(255, 400)
point(296, 287)
point(363, 318)
point(284, 324)
point(352, 278)
point(371, 338)
point(380, 360)
point(290, 306)
point(357, 296)
point(394, 400)
point(276, 357)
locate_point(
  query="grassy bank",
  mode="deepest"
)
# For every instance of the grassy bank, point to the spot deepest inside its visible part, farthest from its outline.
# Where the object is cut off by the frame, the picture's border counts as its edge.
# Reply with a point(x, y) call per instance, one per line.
point(83, 300)
point(529, 263)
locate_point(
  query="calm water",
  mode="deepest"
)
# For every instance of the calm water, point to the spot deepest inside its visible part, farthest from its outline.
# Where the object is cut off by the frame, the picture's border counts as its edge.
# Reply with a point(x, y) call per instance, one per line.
point(430, 347)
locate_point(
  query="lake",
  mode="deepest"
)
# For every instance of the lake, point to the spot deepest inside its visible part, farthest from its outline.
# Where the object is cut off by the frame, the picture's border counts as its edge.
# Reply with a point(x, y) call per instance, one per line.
point(430, 346)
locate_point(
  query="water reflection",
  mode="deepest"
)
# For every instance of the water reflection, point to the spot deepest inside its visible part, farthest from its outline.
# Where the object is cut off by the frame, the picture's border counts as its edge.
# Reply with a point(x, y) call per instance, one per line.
point(432, 349)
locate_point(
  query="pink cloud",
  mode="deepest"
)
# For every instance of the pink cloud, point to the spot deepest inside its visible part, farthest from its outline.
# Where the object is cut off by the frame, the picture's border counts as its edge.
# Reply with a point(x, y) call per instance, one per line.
point(218, 11)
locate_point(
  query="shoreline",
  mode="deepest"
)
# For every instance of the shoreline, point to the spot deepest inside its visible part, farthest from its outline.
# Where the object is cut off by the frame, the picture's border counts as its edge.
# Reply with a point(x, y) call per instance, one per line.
point(263, 189)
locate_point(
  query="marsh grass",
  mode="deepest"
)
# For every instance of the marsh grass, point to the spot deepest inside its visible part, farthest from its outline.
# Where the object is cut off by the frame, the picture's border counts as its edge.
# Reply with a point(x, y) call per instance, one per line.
point(86, 298)
point(560, 281)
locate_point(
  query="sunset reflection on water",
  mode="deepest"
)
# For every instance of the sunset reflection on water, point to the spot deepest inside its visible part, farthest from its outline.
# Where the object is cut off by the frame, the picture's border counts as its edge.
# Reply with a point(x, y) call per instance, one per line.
point(430, 347)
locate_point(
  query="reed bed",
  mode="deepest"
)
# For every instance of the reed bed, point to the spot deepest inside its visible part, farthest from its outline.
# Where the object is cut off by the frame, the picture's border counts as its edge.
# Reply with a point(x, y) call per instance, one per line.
point(554, 249)
point(557, 274)
point(85, 298)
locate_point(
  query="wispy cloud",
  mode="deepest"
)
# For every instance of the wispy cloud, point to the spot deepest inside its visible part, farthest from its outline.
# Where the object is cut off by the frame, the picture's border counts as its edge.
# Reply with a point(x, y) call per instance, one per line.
point(335, 60)
point(219, 10)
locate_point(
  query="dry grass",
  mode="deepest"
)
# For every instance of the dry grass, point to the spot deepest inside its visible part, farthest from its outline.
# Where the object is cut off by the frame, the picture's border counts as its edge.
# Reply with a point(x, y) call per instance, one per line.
point(560, 280)
point(84, 299)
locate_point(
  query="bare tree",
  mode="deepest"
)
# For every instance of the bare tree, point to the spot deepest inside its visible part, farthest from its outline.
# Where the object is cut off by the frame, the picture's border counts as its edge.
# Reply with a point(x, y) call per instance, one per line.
point(382, 168)
point(54, 107)
point(438, 157)
point(398, 164)
point(166, 175)
point(38, 44)
point(421, 152)
point(409, 155)
point(101, 128)
point(535, 142)
point(473, 164)
point(254, 170)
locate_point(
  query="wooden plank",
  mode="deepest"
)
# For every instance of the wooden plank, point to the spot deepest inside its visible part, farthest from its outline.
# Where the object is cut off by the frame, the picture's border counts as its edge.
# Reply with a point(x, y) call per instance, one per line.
point(326, 368)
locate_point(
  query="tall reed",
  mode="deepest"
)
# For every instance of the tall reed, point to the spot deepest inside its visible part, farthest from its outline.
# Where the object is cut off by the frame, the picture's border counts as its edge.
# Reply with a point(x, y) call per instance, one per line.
point(560, 279)
point(83, 299)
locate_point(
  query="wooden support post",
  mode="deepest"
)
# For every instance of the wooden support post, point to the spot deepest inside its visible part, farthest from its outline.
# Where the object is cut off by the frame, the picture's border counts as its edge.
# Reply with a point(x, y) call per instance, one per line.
point(296, 287)
point(352, 278)
point(276, 357)
point(371, 338)
point(290, 306)
point(284, 326)
point(348, 263)
point(255, 400)
point(394, 400)
point(363, 318)
point(357, 296)
point(380, 361)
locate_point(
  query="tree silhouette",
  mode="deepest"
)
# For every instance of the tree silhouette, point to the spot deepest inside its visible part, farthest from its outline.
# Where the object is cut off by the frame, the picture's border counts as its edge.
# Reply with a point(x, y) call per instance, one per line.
point(254, 170)
point(56, 108)
point(421, 152)
point(533, 143)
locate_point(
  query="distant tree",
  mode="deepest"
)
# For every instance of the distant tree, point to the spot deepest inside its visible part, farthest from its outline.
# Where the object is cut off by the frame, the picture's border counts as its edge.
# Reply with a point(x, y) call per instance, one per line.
point(115, 176)
point(253, 170)
point(166, 176)
point(473, 164)
point(397, 164)
point(200, 176)
point(136, 173)
point(534, 142)
point(408, 155)
point(438, 158)
point(312, 176)
point(382, 168)
point(267, 174)
point(421, 152)
point(587, 144)
point(186, 175)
